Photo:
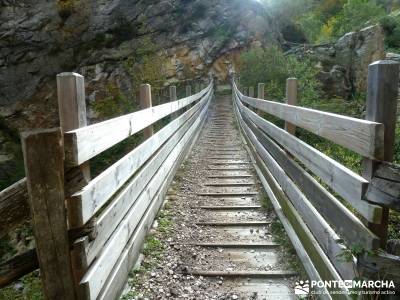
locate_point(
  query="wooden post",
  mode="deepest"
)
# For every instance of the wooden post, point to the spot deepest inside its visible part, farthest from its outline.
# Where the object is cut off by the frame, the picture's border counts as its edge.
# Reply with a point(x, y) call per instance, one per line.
point(188, 90)
point(44, 167)
point(173, 97)
point(251, 92)
point(196, 88)
point(145, 102)
point(291, 98)
point(245, 91)
point(72, 114)
point(261, 92)
point(383, 80)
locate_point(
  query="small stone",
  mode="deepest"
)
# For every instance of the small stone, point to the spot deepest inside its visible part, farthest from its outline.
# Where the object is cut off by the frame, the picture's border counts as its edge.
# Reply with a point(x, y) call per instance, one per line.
point(235, 297)
point(153, 274)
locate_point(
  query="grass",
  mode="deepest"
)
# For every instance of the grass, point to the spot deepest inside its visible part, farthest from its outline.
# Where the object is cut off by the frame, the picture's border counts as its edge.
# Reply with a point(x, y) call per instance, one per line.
point(31, 289)
point(288, 254)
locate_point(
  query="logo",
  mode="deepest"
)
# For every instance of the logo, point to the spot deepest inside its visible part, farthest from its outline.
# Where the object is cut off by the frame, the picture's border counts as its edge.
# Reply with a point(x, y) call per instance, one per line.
point(302, 287)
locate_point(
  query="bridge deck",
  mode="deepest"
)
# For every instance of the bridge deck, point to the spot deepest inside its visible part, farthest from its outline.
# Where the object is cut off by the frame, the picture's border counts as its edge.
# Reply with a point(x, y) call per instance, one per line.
point(221, 243)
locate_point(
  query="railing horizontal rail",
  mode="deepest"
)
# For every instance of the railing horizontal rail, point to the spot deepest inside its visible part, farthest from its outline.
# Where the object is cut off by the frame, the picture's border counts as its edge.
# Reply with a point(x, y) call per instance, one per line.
point(325, 235)
point(131, 202)
point(85, 203)
point(93, 281)
point(321, 264)
point(353, 231)
point(84, 143)
point(345, 182)
point(14, 206)
point(361, 136)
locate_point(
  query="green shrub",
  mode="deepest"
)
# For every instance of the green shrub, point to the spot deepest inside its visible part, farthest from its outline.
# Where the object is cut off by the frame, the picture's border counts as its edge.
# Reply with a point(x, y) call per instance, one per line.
point(272, 67)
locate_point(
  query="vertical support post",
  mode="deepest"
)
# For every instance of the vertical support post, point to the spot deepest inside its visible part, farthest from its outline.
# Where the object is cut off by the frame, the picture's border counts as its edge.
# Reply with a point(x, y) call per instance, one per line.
point(383, 80)
point(173, 97)
point(260, 91)
point(291, 98)
point(197, 88)
point(188, 90)
point(245, 91)
point(72, 114)
point(260, 94)
point(251, 92)
point(44, 167)
point(146, 102)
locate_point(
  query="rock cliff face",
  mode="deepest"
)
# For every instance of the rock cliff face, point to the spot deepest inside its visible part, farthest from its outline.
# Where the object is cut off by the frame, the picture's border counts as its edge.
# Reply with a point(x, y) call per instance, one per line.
point(344, 64)
point(41, 38)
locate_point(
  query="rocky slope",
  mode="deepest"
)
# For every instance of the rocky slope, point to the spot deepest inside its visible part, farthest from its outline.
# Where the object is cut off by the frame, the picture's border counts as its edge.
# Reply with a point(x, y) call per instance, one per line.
point(41, 38)
point(344, 64)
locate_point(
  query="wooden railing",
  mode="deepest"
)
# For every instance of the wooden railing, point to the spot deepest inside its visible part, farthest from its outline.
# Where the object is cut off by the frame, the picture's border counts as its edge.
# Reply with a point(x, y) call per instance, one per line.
point(301, 181)
point(89, 232)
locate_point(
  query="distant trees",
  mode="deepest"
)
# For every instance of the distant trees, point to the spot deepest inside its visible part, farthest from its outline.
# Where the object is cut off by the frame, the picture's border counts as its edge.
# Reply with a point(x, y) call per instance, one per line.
point(323, 21)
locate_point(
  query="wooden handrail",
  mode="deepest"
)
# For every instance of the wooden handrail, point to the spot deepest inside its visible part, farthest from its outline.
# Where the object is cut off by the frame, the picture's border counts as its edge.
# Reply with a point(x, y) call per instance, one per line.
point(84, 143)
point(361, 136)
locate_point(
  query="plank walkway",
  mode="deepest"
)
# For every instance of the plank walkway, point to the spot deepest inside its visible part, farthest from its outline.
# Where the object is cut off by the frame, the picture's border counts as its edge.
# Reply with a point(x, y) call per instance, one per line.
point(248, 259)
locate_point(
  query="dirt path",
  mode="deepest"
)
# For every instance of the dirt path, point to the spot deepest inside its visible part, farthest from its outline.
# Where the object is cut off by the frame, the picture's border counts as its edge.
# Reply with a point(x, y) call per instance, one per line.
point(213, 239)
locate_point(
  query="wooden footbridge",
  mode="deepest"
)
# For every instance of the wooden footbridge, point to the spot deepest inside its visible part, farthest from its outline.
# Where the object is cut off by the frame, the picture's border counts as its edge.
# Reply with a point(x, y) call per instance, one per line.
point(89, 231)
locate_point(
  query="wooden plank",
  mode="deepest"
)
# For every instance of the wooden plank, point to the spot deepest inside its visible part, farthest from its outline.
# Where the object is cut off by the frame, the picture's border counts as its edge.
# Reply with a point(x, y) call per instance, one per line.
point(382, 266)
point(18, 266)
point(361, 136)
point(320, 265)
point(72, 115)
point(14, 207)
point(322, 231)
point(381, 106)
point(345, 222)
point(43, 158)
point(291, 99)
point(127, 206)
point(85, 203)
point(146, 102)
point(85, 143)
point(247, 274)
point(297, 245)
point(97, 274)
point(384, 187)
point(345, 182)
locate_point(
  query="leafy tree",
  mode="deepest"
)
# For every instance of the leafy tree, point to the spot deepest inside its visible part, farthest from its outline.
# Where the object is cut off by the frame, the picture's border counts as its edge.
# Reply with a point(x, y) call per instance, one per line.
point(273, 67)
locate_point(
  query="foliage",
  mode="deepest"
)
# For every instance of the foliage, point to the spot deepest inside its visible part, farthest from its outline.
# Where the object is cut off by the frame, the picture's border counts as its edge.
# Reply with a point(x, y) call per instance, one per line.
point(31, 289)
point(391, 27)
point(114, 104)
point(272, 67)
point(147, 66)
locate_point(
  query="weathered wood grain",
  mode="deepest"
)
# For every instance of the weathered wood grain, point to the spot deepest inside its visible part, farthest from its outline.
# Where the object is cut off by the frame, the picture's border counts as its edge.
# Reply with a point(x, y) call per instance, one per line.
point(117, 279)
point(43, 158)
point(381, 106)
point(353, 231)
point(146, 102)
point(17, 267)
point(361, 136)
point(87, 142)
point(319, 259)
point(345, 182)
point(132, 200)
point(97, 274)
point(14, 206)
point(85, 203)
point(323, 233)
